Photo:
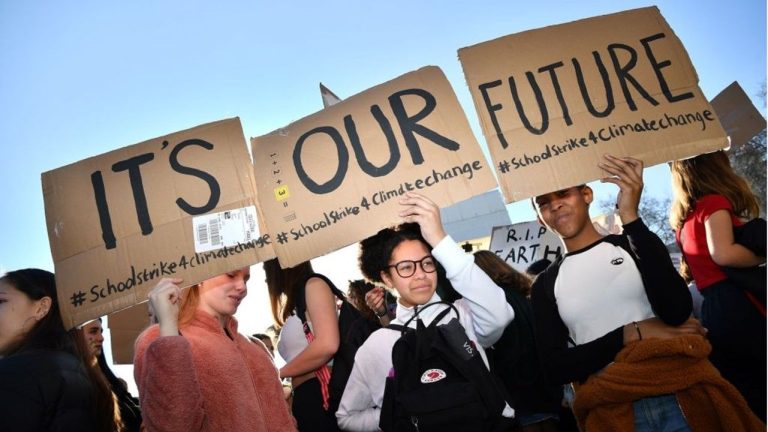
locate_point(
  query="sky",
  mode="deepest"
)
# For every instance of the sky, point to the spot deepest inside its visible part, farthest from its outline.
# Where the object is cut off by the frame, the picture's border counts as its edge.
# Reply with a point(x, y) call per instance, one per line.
point(82, 78)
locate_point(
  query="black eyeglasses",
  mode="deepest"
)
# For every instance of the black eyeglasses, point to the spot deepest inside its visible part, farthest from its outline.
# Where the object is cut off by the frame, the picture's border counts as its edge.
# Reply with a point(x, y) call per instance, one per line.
point(407, 268)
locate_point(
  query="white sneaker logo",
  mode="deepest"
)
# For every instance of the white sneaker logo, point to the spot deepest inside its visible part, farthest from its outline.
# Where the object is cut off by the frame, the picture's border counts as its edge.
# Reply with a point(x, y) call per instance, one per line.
point(432, 375)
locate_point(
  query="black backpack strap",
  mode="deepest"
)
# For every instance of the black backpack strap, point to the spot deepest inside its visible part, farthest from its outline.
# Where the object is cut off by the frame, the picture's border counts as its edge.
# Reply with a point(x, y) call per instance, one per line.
point(301, 295)
point(417, 311)
point(397, 327)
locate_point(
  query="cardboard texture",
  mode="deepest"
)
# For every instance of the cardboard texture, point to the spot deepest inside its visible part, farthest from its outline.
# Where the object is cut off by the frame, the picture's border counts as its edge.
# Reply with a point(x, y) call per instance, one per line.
point(552, 101)
point(124, 328)
point(334, 177)
point(524, 243)
point(119, 222)
point(739, 117)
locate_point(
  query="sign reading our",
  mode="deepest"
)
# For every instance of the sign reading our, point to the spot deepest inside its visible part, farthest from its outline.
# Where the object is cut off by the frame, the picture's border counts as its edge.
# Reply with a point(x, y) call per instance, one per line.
point(522, 244)
point(552, 101)
point(182, 205)
point(333, 178)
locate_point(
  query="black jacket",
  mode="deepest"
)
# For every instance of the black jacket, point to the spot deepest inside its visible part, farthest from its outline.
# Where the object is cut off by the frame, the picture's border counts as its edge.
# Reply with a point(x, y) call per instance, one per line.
point(514, 358)
point(45, 390)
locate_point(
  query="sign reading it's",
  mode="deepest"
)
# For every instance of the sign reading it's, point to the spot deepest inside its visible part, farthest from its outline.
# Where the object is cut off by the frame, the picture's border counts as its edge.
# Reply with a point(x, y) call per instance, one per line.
point(552, 101)
point(333, 178)
point(182, 205)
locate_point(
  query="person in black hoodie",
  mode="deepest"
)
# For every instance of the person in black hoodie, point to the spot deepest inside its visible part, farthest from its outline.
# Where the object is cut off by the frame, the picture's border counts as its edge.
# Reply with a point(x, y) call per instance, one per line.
point(43, 384)
point(515, 358)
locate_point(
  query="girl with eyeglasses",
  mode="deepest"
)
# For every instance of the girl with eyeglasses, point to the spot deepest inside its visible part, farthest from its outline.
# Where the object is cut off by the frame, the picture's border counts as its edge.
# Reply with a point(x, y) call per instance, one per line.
point(404, 259)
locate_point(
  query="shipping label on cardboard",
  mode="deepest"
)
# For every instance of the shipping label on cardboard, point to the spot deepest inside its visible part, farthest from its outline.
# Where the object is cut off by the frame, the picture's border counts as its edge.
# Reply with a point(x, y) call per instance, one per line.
point(119, 222)
point(225, 229)
point(739, 117)
point(522, 244)
point(335, 177)
point(552, 101)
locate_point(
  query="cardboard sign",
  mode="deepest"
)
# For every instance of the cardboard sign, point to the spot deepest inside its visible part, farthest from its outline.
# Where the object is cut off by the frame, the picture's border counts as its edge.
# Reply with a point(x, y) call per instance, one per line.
point(333, 178)
point(182, 205)
point(124, 328)
point(522, 244)
point(470, 219)
point(739, 117)
point(552, 101)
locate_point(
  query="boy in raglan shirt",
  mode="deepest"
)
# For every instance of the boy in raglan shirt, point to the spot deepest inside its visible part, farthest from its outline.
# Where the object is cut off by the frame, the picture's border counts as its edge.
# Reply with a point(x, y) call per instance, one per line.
point(608, 292)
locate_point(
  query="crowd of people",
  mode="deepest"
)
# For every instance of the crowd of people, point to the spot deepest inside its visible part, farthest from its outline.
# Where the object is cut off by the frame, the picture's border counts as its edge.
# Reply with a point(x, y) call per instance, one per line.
point(602, 339)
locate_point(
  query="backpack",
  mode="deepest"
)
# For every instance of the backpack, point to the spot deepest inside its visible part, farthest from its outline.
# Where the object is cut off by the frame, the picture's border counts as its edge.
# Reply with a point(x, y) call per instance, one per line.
point(354, 329)
point(439, 381)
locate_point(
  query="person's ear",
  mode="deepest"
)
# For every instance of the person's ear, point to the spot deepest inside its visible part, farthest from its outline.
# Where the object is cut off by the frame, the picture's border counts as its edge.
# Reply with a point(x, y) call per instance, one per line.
point(588, 194)
point(386, 278)
point(43, 307)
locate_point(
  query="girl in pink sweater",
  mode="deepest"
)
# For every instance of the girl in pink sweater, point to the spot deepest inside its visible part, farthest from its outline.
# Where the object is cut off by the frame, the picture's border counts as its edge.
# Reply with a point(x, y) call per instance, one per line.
point(196, 373)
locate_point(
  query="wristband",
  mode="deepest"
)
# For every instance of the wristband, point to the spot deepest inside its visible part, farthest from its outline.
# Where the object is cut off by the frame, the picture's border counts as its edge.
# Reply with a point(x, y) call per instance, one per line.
point(380, 315)
point(637, 328)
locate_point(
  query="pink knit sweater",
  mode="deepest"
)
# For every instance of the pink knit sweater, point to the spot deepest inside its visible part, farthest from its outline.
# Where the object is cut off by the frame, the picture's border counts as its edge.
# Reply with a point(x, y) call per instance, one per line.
point(206, 381)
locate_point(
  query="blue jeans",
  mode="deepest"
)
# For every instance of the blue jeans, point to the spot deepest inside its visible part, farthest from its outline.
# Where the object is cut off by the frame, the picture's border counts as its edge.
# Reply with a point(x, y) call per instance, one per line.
point(659, 414)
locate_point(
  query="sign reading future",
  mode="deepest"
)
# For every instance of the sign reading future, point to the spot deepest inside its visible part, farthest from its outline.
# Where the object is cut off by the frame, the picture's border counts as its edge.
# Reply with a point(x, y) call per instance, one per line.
point(552, 101)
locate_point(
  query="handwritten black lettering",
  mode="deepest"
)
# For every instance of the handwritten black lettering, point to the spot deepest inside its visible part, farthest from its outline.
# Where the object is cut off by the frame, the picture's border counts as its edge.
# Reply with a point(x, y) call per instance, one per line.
point(362, 160)
point(607, 134)
point(409, 125)
point(102, 207)
point(599, 99)
point(342, 156)
point(409, 128)
point(137, 186)
point(622, 72)
point(213, 185)
point(658, 66)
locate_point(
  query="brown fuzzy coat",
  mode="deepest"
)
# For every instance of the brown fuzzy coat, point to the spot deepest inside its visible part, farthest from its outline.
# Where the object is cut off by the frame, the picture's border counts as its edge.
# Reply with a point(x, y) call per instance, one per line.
point(654, 367)
point(207, 381)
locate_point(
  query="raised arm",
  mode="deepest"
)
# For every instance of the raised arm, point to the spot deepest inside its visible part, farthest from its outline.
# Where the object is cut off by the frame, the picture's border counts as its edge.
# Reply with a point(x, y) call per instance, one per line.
point(490, 311)
point(667, 292)
point(169, 392)
point(164, 370)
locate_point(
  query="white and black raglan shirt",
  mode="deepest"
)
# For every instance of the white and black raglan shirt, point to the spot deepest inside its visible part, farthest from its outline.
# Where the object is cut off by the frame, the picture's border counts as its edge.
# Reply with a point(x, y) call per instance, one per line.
point(583, 300)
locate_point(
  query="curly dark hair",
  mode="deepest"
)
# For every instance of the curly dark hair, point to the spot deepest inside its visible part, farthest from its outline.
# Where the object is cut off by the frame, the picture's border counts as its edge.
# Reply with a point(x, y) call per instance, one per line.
point(375, 251)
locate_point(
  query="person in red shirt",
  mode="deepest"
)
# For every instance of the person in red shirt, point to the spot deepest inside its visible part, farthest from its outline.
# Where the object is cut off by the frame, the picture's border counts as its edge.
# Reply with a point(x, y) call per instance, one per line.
point(710, 199)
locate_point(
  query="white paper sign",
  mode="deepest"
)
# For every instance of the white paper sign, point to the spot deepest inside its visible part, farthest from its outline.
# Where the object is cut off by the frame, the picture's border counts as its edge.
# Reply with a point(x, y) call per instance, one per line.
point(522, 244)
point(225, 229)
